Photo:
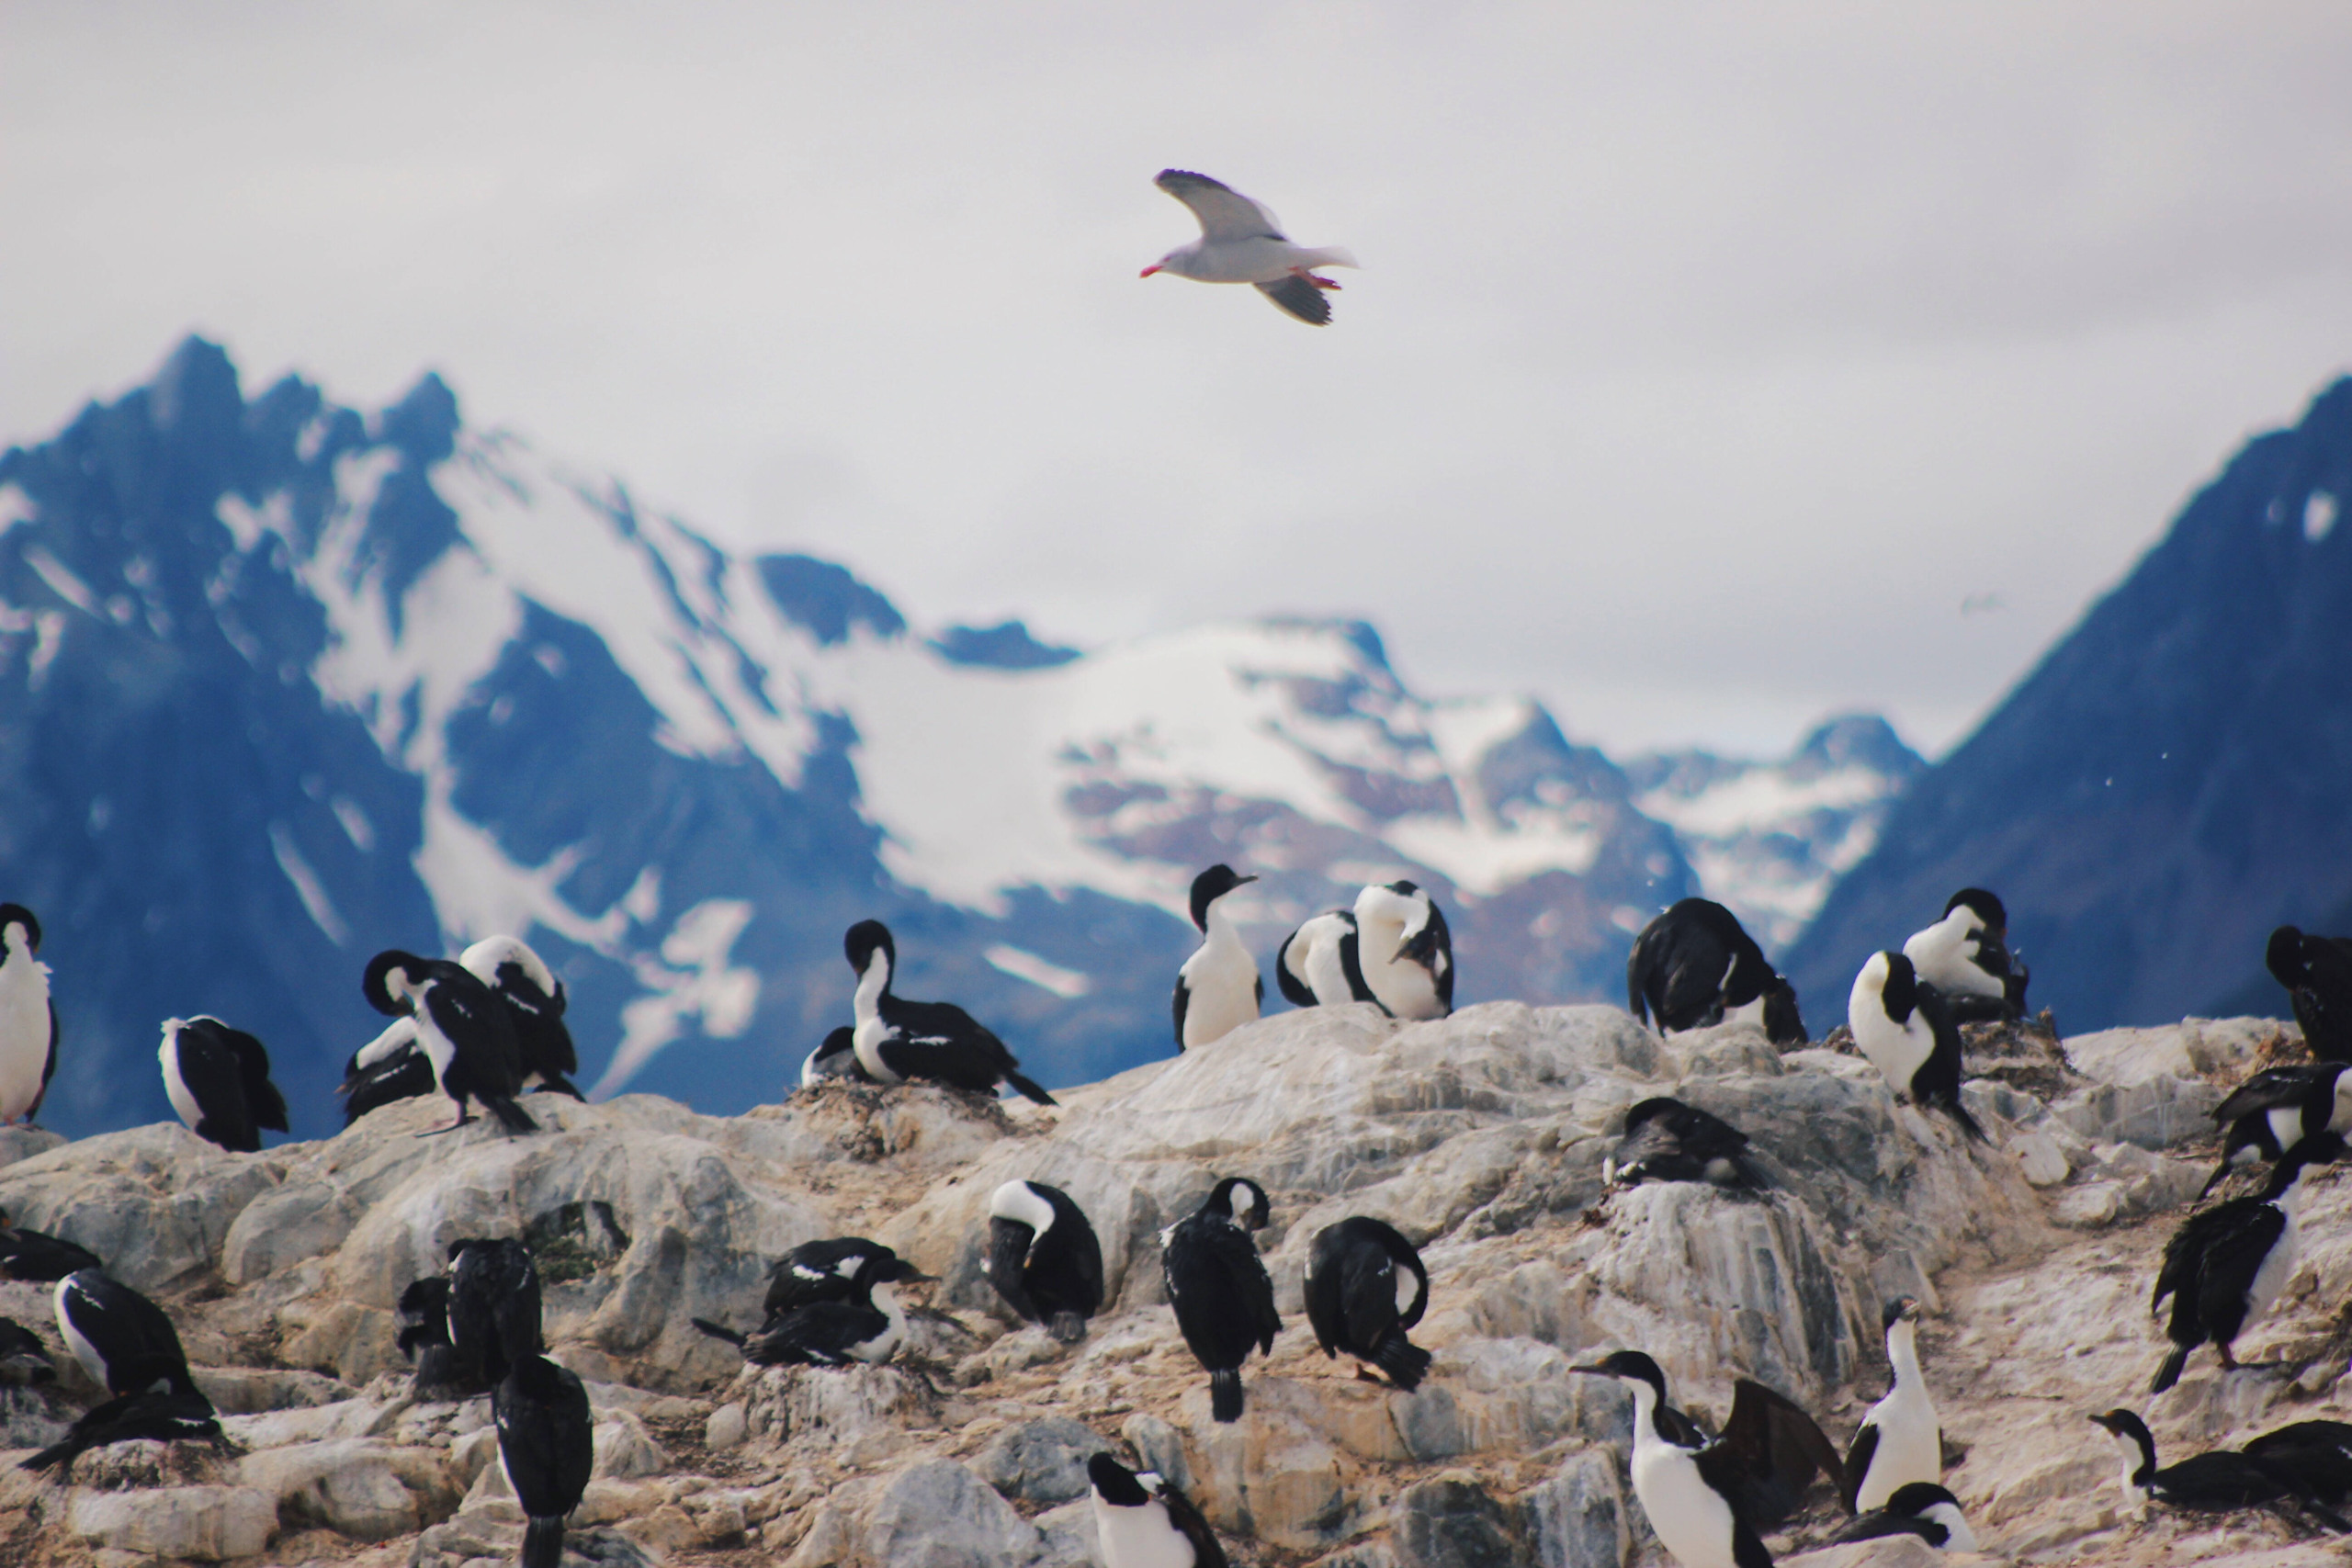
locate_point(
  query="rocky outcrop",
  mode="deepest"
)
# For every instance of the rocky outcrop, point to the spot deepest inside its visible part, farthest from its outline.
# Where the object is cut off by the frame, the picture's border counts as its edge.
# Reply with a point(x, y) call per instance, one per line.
point(1481, 1136)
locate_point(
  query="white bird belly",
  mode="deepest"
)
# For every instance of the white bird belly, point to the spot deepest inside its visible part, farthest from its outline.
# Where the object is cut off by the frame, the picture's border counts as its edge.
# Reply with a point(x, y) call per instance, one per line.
point(1691, 1517)
point(84, 1351)
point(1909, 1449)
point(868, 1040)
point(1140, 1537)
point(2269, 1279)
point(1404, 988)
point(1222, 987)
point(1256, 260)
point(175, 1087)
point(24, 1033)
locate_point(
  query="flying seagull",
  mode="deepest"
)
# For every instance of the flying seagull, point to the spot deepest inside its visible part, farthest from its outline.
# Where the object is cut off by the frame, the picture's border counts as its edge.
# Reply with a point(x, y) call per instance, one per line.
point(1242, 243)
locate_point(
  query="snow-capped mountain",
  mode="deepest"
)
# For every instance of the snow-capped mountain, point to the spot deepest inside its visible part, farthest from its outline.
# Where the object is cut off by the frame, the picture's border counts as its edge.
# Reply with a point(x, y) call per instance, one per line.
point(1767, 839)
point(281, 684)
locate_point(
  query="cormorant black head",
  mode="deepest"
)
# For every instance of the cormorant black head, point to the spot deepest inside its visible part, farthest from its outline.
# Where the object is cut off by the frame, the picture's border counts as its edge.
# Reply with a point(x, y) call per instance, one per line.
point(1410, 889)
point(1628, 1366)
point(1915, 1497)
point(17, 915)
point(2283, 957)
point(1115, 1483)
point(1783, 1024)
point(376, 984)
point(2130, 1428)
point(837, 1042)
point(1211, 885)
point(1255, 1217)
point(864, 940)
point(1985, 906)
point(1899, 991)
point(1902, 1309)
point(884, 1267)
point(1650, 1109)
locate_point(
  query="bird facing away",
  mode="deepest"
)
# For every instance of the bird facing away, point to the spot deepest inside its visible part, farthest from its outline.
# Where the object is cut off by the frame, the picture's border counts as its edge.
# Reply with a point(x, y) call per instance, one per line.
point(1666, 1140)
point(534, 1004)
point(2221, 1482)
point(937, 1041)
point(815, 1271)
point(1043, 1258)
point(1406, 951)
point(40, 1256)
point(1319, 964)
point(1901, 1024)
point(1140, 1521)
point(2317, 973)
point(1900, 1440)
point(1919, 1508)
point(1365, 1286)
point(2225, 1265)
point(217, 1079)
point(462, 1027)
point(27, 1017)
point(493, 1307)
point(1218, 1285)
point(423, 1316)
point(123, 1340)
point(1218, 989)
point(1695, 967)
point(1241, 242)
point(1965, 956)
point(547, 1446)
point(1708, 1498)
point(835, 1057)
point(2279, 1108)
point(867, 1324)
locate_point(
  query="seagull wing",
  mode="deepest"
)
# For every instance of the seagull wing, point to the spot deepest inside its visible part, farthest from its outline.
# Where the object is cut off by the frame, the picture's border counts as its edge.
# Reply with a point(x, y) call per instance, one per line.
point(1224, 213)
point(1299, 298)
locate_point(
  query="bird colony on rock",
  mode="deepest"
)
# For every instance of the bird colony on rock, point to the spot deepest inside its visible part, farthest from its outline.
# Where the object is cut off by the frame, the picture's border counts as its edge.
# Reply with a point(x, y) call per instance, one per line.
point(484, 1029)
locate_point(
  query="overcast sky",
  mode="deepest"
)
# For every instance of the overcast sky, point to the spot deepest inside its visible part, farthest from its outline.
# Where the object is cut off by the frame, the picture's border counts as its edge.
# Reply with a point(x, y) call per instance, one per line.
point(1706, 358)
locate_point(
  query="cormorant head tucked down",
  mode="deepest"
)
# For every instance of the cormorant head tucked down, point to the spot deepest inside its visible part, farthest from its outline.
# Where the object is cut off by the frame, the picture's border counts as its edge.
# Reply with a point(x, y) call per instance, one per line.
point(15, 918)
point(1257, 1214)
point(1896, 982)
point(2283, 956)
point(1211, 885)
point(864, 940)
point(1783, 1022)
point(389, 985)
point(1986, 907)
point(836, 1057)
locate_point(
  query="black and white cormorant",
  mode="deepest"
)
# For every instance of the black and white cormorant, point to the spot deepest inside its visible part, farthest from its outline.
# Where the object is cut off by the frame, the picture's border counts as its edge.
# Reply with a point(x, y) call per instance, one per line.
point(937, 1041)
point(1218, 1285)
point(821, 1270)
point(37, 1256)
point(535, 1005)
point(171, 1410)
point(1319, 966)
point(462, 1027)
point(1695, 967)
point(421, 1317)
point(2277, 1109)
point(1707, 1498)
point(217, 1079)
point(1218, 988)
point(123, 1340)
point(1666, 1140)
point(493, 1307)
point(866, 1325)
point(27, 1017)
point(389, 1069)
point(835, 1057)
point(1965, 956)
point(1140, 1521)
point(1404, 950)
point(1900, 1440)
point(24, 1360)
point(2225, 1265)
point(1902, 1025)
point(546, 1446)
point(2317, 973)
point(1365, 1288)
point(1043, 1259)
point(2221, 1482)
point(1918, 1507)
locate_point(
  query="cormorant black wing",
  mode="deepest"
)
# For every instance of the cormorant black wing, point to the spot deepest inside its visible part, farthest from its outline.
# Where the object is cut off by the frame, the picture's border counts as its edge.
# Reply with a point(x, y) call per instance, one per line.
point(1781, 1449)
point(2272, 1089)
point(263, 1102)
point(1182, 999)
point(1207, 1551)
point(2231, 1259)
point(546, 1435)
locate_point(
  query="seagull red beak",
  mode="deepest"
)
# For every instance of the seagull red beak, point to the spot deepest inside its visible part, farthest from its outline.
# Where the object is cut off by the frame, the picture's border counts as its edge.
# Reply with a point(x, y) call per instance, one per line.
point(1149, 270)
